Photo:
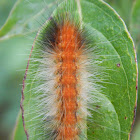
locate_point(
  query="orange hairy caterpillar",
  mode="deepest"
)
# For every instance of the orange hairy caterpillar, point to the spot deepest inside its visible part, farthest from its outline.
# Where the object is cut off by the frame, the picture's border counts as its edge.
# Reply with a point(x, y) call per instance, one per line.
point(69, 47)
point(66, 45)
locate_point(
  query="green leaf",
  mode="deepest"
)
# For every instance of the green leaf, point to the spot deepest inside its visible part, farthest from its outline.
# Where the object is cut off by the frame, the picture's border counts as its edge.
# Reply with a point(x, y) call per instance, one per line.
point(122, 94)
point(113, 116)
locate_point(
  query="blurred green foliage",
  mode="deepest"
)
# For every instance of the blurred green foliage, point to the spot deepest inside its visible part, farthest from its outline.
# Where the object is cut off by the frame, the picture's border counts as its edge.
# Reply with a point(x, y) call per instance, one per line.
point(13, 62)
point(11, 75)
point(5, 8)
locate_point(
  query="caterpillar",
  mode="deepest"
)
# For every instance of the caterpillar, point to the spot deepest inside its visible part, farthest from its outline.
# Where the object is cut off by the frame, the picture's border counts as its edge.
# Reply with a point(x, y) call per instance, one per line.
point(66, 75)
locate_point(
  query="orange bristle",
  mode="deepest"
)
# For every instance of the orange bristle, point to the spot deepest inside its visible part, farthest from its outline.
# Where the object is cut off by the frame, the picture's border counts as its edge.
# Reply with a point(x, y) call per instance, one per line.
point(68, 42)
